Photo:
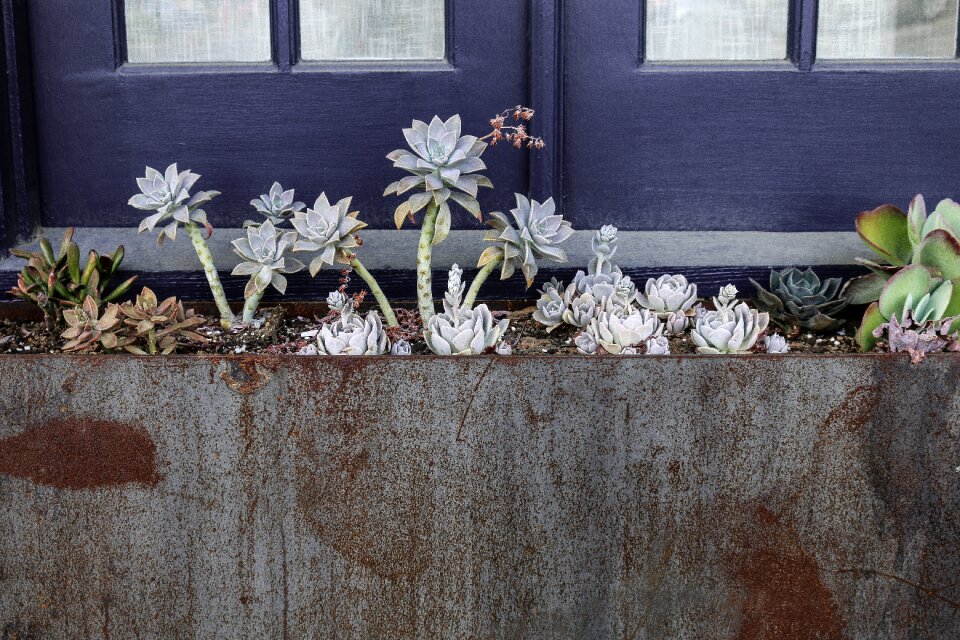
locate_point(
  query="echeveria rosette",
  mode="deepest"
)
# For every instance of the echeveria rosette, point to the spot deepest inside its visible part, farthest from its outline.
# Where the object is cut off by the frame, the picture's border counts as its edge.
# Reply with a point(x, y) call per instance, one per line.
point(353, 335)
point(167, 195)
point(460, 330)
point(535, 233)
point(263, 252)
point(801, 299)
point(442, 163)
point(328, 229)
point(618, 333)
point(732, 328)
point(668, 294)
point(277, 205)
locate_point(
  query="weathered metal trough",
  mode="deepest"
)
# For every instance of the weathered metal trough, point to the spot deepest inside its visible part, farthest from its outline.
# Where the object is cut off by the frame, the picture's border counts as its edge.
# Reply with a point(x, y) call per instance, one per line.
point(489, 497)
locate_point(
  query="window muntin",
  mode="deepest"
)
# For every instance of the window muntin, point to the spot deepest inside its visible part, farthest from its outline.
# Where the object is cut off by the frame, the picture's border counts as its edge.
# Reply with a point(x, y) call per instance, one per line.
point(887, 29)
point(372, 30)
point(177, 31)
point(716, 30)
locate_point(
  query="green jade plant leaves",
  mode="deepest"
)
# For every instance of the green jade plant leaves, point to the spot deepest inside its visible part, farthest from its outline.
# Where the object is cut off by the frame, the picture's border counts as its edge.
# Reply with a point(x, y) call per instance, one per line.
point(167, 195)
point(444, 164)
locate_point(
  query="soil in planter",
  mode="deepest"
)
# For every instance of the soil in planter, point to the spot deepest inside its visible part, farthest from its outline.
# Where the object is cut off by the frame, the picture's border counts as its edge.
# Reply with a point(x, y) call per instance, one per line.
point(282, 333)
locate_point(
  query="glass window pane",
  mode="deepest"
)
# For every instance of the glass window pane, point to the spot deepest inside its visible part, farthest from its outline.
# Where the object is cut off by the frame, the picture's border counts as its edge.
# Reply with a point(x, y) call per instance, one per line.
point(197, 30)
point(372, 30)
point(716, 30)
point(887, 29)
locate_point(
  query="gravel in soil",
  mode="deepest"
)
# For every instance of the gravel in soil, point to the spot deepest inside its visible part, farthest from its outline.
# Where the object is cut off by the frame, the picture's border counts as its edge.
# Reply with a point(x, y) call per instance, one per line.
point(282, 332)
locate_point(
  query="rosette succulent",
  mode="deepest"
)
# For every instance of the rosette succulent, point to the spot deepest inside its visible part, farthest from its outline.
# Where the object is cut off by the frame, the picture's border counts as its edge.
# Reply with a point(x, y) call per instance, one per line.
point(658, 346)
point(353, 335)
point(277, 205)
point(668, 294)
point(800, 299)
point(329, 230)
point(460, 330)
point(167, 196)
point(88, 330)
point(538, 232)
point(615, 333)
point(776, 344)
point(264, 260)
point(732, 328)
point(580, 309)
point(550, 308)
point(158, 327)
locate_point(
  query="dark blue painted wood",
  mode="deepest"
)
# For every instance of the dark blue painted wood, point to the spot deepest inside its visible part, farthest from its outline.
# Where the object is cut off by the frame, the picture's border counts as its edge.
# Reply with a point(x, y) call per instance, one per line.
point(18, 182)
point(316, 127)
point(546, 97)
point(746, 147)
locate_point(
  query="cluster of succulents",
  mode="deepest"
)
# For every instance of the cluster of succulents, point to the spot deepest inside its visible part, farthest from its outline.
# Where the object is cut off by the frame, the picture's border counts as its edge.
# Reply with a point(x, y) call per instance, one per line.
point(58, 282)
point(461, 330)
point(351, 334)
point(800, 300)
point(732, 327)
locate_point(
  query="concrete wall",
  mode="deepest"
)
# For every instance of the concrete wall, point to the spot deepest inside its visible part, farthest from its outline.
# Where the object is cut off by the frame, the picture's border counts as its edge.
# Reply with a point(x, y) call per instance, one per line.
point(689, 497)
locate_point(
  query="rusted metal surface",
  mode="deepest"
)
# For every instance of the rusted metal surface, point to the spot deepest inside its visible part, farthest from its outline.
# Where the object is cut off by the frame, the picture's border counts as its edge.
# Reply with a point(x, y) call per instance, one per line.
point(562, 497)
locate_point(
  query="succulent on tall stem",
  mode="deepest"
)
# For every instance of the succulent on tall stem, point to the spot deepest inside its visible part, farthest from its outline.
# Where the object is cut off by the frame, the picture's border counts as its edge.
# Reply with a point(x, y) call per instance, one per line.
point(55, 282)
point(443, 164)
point(167, 195)
point(537, 233)
point(331, 230)
point(277, 205)
point(263, 252)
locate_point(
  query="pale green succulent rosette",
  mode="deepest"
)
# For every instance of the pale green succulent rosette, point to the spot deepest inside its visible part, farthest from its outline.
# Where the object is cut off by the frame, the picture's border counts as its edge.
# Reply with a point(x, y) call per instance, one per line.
point(167, 195)
point(264, 260)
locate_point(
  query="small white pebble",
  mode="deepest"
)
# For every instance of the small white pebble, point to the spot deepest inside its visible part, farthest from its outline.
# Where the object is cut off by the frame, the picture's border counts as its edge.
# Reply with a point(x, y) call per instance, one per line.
point(310, 334)
point(543, 350)
point(819, 340)
point(568, 341)
point(842, 332)
point(26, 348)
point(809, 335)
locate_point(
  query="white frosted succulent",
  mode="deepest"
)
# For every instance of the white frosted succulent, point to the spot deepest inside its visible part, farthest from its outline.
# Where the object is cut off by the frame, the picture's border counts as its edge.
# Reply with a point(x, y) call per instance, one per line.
point(328, 229)
point(555, 285)
point(442, 163)
point(604, 245)
point(580, 308)
point(167, 195)
point(615, 333)
point(776, 344)
point(337, 301)
point(586, 343)
point(460, 330)
point(732, 328)
point(353, 335)
point(676, 323)
point(504, 348)
point(658, 346)
point(550, 308)
point(668, 294)
point(537, 233)
point(263, 252)
point(277, 205)
point(401, 348)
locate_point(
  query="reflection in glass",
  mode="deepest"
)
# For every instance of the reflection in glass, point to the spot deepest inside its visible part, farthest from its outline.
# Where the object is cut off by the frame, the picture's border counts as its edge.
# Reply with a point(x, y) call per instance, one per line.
point(850, 29)
point(372, 29)
point(716, 30)
point(197, 30)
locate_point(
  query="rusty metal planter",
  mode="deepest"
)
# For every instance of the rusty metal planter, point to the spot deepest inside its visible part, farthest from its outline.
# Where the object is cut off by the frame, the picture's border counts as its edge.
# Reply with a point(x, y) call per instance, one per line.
point(488, 497)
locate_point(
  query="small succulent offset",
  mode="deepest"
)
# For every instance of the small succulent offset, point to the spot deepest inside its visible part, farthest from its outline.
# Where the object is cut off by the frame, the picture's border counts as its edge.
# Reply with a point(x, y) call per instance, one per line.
point(617, 333)
point(460, 330)
point(538, 232)
point(658, 346)
point(55, 282)
point(800, 299)
point(167, 195)
point(776, 344)
point(276, 206)
point(158, 327)
point(672, 298)
point(88, 330)
point(732, 328)
point(401, 348)
point(352, 334)
point(265, 261)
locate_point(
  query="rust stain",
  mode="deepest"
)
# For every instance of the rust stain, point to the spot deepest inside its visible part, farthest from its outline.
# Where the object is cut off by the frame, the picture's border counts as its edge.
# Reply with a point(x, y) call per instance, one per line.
point(856, 410)
point(81, 454)
point(786, 597)
point(245, 376)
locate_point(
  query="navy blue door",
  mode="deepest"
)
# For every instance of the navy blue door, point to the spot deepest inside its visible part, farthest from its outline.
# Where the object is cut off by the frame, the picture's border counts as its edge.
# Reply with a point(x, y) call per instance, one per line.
point(312, 126)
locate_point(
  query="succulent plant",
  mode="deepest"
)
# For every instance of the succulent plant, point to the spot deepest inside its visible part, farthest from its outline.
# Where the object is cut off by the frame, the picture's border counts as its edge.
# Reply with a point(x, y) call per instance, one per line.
point(264, 260)
point(615, 333)
point(353, 335)
point(900, 239)
point(800, 299)
point(401, 348)
point(152, 327)
point(504, 348)
point(919, 339)
point(329, 230)
point(460, 330)
point(658, 346)
point(167, 195)
point(732, 328)
point(537, 235)
point(55, 282)
point(586, 343)
point(776, 344)
point(668, 294)
point(277, 205)
point(579, 309)
point(337, 301)
point(550, 308)
point(88, 330)
point(917, 291)
point(677, 323)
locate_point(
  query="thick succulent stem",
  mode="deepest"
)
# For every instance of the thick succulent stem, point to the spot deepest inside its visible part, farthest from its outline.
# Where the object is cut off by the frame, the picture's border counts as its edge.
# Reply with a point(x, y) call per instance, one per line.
point(385, 307)
point(250, 306)
point(478, 281)
point(152, 342)
point(213, 278)
point(424, 254)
